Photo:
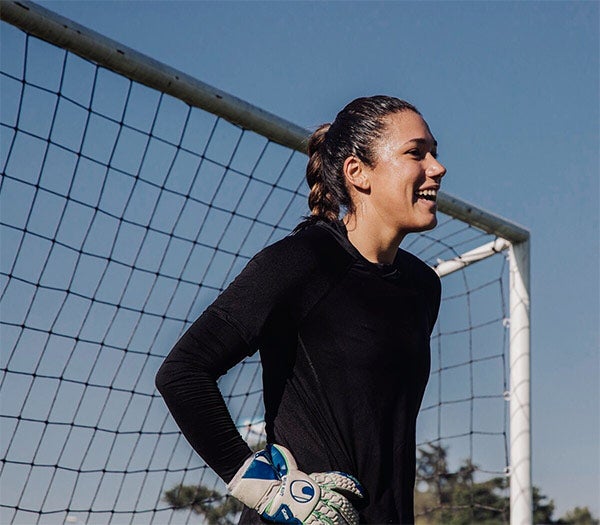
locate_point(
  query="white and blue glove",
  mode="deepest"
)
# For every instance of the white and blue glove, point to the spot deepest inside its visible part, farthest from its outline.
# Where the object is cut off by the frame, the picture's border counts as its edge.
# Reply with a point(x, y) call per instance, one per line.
point(270, 482)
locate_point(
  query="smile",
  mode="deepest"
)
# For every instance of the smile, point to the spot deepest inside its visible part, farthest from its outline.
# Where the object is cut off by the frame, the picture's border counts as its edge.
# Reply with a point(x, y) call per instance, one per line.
point(430, 195)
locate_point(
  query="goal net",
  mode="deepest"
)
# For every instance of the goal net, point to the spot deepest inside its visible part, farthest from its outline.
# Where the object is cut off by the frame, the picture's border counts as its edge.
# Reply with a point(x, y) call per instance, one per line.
point(126, 208)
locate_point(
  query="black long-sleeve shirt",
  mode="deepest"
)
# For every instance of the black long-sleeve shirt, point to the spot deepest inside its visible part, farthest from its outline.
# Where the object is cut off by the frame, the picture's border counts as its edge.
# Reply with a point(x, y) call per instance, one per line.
point(344, 345)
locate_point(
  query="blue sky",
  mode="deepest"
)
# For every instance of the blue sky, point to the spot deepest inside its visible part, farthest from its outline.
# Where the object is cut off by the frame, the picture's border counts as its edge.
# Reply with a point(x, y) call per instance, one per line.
point(510, 89)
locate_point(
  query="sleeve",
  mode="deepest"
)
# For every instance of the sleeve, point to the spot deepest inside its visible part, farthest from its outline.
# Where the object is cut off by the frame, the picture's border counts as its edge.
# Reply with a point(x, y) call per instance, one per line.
point(227, 332)
point(271, 280)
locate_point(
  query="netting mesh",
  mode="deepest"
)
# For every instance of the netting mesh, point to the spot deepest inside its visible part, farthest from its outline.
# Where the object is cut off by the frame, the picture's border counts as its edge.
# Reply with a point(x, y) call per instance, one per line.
point(124, 213)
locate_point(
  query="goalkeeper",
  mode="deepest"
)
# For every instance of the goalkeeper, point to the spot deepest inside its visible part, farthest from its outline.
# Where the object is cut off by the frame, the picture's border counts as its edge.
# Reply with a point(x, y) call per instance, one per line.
point(342, 317)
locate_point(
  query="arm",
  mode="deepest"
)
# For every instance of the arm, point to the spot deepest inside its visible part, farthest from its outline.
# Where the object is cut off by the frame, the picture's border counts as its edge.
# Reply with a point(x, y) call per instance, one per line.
point(187, 382)
point(227, 332)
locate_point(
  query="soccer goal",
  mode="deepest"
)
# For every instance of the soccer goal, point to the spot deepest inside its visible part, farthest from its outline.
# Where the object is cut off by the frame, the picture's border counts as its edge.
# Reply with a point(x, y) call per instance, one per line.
point(131, 195)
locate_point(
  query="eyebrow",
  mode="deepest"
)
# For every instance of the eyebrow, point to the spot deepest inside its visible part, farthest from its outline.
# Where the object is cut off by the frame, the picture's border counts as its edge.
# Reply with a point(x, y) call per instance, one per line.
point(421, 141)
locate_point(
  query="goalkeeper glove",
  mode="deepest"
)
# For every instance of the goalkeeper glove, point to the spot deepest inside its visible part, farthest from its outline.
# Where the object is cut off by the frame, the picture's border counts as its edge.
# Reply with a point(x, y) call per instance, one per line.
point(270, 482)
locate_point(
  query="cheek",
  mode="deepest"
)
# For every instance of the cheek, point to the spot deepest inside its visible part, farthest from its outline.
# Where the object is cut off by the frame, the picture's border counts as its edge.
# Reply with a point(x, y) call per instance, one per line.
point(394, 185)
point(403, 187)
point(395, 199)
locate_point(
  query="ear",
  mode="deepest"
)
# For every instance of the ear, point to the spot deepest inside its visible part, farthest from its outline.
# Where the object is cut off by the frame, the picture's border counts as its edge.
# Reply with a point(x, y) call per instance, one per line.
point(356, 173)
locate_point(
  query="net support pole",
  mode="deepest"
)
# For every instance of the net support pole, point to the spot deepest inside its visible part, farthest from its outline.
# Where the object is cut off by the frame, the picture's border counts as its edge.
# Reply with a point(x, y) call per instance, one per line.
point(521, 503)
point(490, 249)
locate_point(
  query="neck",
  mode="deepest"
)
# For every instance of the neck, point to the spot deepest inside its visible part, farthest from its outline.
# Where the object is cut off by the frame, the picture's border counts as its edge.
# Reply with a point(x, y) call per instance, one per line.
point(375, 243)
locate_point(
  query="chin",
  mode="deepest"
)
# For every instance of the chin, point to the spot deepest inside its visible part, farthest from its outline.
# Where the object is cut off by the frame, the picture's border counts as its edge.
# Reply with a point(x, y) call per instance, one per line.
point(425, 225)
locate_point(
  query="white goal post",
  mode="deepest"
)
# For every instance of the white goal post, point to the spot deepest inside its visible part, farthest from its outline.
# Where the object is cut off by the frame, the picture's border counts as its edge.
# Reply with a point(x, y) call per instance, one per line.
point(509, 238)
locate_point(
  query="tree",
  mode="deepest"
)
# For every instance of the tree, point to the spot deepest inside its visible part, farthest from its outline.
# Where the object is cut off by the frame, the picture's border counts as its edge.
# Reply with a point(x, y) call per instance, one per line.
point(216, 508)
point(455, 498)
point(542, 510)
point(579, 516)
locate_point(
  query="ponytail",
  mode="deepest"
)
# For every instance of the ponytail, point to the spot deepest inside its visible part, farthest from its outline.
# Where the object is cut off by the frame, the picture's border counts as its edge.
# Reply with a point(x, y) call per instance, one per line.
point(321, 201)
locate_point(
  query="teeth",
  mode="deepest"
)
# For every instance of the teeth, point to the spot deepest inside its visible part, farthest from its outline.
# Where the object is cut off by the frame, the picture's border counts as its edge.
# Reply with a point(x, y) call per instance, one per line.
point(426, 193)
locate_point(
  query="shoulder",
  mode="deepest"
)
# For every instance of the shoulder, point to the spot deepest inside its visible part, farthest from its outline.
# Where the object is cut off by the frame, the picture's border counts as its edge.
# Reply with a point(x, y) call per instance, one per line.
point(307, 250)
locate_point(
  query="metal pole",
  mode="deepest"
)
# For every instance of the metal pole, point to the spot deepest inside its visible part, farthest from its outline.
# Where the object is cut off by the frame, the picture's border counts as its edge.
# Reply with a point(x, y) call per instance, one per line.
point(443, 268)
point(521, 504)
point(482, 219)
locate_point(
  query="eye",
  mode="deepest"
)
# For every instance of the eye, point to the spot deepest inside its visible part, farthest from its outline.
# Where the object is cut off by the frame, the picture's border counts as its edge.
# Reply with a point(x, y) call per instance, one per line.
point(416, 153)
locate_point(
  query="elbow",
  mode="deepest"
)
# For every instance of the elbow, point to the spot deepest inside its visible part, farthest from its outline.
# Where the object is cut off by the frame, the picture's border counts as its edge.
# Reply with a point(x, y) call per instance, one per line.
point(173, 372)
point(161, 379)
point(177, 372)
point(171, 380)
point(175, 369)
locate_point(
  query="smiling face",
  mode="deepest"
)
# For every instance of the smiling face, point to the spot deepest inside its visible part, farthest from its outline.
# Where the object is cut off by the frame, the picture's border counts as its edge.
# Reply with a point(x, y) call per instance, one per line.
point(400, 189)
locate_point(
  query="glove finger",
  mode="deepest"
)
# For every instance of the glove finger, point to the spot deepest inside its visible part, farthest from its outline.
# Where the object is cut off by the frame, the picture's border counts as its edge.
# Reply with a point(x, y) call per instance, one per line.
point(336, 512)
point(319, 518)
point(344, 510)
point(341, 482)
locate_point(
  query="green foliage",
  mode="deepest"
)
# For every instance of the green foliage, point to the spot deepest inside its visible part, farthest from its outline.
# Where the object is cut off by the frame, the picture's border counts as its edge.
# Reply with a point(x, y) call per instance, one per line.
point(212, 505)
point(258, 446)
point(579, 516)
point(542, 509)
point(455, 498)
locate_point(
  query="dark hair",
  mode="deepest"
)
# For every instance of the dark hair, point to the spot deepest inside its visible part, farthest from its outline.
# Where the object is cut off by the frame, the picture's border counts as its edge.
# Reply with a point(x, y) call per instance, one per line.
point(353, 132)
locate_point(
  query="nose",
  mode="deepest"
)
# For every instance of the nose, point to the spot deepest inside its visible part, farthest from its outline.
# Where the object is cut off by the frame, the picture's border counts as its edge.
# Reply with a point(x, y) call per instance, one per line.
point(435, 169)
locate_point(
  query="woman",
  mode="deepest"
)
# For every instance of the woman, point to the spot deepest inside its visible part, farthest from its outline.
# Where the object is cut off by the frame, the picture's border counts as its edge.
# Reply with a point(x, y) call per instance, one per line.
point(342, 318)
